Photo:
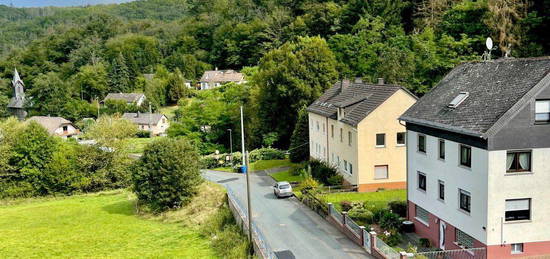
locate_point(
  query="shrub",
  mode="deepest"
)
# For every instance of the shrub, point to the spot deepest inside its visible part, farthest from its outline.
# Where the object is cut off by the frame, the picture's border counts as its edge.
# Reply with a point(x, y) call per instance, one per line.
point(361, 214)
point(390, 221)
point(398, 207)
point(309, 184)
point(143, 134)
point(321, 171)
point(378, 214)
point(167, 175)
point(346, 205)
point(335, 180)
point(391, 238)
point(424, 242)
point(266, 154)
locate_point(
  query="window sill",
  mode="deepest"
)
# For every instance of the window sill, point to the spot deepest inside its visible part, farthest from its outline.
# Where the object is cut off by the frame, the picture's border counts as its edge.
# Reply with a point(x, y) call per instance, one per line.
point(400, 145)
point(422, 191)
point(469, 168)
point(463, 211)
point(422, 221)
point(517, 221)
point(516, 253)
point(441, 159)
point(420, 152)
point(439, 199)
point(518, 173)
point(380, 146)
point(376, 179)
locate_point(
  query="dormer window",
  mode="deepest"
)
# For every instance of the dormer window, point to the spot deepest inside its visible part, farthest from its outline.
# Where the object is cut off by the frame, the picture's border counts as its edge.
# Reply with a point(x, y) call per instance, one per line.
point(341, 113)
point(458, 99)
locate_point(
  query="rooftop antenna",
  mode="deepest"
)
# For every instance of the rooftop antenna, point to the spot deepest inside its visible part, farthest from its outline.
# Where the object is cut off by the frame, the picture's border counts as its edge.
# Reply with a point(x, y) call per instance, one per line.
point(489, 45)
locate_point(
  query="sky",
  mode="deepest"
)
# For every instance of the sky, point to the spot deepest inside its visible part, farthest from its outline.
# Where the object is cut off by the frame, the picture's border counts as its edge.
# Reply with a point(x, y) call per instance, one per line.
point(42, 3)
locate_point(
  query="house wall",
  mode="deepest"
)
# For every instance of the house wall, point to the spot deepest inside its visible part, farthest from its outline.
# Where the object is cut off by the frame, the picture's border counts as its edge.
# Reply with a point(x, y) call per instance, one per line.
point(383, 119)
point(473, 180)
point(71, 130)
point(317, 137)
point(503, 186)
point(339, 149)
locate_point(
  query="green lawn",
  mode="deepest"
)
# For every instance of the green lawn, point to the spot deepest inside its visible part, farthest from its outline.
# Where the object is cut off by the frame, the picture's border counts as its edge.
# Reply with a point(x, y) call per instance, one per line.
point(169, 111)
point(261, 165)
point(287, 176)
point(378, 199)
point(137, 145)
point(93, 226)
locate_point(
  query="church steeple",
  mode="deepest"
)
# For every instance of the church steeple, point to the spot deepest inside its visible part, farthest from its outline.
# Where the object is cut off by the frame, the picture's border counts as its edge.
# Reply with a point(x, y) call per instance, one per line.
point(17, 103)
point(18, 86)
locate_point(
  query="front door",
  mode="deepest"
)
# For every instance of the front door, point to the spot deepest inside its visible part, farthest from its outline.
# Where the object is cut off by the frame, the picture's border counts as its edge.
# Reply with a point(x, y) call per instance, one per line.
point(442, 228)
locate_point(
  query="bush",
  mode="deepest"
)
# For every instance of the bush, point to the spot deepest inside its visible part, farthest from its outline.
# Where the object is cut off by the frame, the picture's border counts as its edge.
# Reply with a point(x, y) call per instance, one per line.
point(167, 175)
point(346, 205)
point(378, 214)
point(398, 207)
point(361, 214)
point(266, 154)
point(321, 171)
point(214, 161)
point(335, 180)
point(390, 221)
point(391, 238)
point(309, 184)
point(143, 134)
point(424, 242)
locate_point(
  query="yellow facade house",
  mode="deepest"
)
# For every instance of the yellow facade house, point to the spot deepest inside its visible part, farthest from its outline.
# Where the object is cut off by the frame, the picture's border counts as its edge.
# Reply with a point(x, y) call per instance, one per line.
point(354, 127)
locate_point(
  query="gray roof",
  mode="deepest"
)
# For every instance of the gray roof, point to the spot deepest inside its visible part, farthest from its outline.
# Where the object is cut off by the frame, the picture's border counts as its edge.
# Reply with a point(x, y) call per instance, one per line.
point(128, 97)
point(50, 123)
point(222, 76)
point(143, 118)
point(357, 99)
point(493, 87)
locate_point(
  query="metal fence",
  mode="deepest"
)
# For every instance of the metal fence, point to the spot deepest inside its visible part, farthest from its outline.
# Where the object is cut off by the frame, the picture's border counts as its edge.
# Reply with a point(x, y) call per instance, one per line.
point(335, 214)
point(259, 239)
point(386, 250)
point(471, 253)
point(367, 241)
point(353, 226)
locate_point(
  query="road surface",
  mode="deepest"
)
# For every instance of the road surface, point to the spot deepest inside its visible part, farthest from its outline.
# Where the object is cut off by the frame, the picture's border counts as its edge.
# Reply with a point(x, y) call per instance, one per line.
point(291, 229)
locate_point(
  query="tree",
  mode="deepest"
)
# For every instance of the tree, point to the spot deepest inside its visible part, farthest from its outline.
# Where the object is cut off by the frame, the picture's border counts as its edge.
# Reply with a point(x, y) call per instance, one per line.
point(167, 175)
point(49, 93)
point(176, 87)
point(504, 20)
point(431, 11)
point(299, 142)
point(119, 79)
point(91, 81)
point(290, 77)
point(110, 130)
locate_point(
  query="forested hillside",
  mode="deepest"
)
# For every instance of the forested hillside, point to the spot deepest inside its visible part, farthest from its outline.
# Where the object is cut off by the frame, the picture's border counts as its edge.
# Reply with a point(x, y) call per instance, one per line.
point(294, 50)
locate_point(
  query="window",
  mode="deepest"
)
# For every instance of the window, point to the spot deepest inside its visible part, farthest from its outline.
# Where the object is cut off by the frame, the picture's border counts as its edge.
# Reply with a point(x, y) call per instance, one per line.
point(345, 165)
point(65, 128)
point(422, 143)
point(400, 138)
point(323, 129)
point(519, 209)
point(465, 156)
point(380, 140)
point(463, 239)
point(458, 99)
point(349, 138)
point(350, 168)
point(380, 172)
point(332, 131)
point(465, 200)
point(421, 181)
point(341, 135)
point(442, 149)
point(441, 190)
point(517, 248)
point(542, 111)
point(422, 214)
point(338, 161)
point(332, 157)
point(518, 161)
point(317, 125)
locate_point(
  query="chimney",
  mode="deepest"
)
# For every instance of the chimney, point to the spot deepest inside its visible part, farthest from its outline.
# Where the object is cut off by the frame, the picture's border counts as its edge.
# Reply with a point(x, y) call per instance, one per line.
point(380, 80)
point(344, 84)
point(358, 80)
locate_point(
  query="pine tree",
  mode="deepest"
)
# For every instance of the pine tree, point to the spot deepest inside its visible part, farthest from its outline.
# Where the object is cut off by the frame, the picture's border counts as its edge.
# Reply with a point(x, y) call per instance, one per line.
point(120, 75)
point(299, 142)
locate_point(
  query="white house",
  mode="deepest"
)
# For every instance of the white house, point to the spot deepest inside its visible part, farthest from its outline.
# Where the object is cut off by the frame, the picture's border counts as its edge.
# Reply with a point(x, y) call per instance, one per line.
point(155, 123)
point(56, 126)
point(478, 157)
point(215, 78)
point(130, 98)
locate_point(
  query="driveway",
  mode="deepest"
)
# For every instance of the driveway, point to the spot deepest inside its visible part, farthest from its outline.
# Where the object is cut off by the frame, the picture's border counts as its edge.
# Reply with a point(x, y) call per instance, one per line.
point(291, 229)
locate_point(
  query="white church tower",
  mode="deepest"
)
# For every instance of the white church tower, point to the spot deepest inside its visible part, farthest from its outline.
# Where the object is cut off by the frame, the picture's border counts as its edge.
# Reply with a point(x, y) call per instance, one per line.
point(17, 102)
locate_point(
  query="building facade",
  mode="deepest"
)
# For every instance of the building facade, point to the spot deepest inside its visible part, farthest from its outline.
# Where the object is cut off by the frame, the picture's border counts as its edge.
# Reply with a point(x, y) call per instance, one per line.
point(478, 159)
point(57, 126)
point(354, 127)
point(155, 123)
point(215, 78)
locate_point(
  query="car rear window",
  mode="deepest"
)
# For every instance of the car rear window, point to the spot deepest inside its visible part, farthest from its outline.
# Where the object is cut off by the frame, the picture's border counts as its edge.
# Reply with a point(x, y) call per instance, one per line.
point(284, 186)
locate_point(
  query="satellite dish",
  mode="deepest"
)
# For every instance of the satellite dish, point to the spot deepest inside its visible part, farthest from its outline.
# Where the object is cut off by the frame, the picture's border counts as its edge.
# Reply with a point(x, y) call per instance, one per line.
point(489, 43)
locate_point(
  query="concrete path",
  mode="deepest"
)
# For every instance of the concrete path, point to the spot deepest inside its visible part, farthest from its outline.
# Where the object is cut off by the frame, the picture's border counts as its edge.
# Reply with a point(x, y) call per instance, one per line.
point(291, 228)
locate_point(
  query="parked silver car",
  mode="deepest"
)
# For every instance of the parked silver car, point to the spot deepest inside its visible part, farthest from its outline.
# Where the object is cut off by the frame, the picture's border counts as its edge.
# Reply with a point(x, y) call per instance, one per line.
point(282, 189)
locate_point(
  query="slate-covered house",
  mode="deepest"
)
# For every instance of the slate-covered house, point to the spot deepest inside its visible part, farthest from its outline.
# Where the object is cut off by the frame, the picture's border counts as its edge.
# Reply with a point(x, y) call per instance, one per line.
point(57, 126)
point(155, 123)
point(215, 78)
point(478, 159)
point(354, 127)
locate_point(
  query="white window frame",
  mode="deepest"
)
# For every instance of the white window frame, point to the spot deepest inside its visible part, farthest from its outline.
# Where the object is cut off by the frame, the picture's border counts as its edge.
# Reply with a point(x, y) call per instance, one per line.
point(376, 140)
point(517, 248)
point(423, 216)
point(404, 139)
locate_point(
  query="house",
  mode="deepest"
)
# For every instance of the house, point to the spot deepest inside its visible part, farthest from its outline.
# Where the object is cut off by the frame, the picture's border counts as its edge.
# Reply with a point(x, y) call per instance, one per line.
point(155, 123)
point(354, 127)
point(215, 78)
point(57, 126)
point(136, 99)
point(478, 158)
point(17, 103)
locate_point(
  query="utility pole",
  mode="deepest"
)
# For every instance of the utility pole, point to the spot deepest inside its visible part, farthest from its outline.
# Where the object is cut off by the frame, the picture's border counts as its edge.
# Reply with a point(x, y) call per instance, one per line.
point(245, 165)
point(150, 114)
point(231, 146)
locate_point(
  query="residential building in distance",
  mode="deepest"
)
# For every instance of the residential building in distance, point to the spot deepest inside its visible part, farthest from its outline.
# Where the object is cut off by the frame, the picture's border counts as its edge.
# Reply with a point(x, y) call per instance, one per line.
point(155, 123)
point(478, 157)
point(215, 78)
point(57, 126)
point(136, 99)
point(354, 127)
point(16, 106)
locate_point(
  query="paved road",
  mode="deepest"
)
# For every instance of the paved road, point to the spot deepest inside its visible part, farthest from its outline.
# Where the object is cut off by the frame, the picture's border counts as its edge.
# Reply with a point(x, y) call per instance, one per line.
point(291, 229)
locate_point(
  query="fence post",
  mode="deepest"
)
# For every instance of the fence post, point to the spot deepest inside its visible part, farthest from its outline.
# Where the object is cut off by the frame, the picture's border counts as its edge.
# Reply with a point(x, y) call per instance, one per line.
point(373, 240)
point(362, 235)
point(330, 208)
point(403, 255)
point(344, 214)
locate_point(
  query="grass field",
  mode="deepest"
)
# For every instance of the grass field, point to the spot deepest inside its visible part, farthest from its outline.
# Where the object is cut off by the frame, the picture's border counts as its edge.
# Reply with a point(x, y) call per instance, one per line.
point(378, 199)
point(137, 145)
point(287, 176)
point(169, 111)
point(261, 165)
point(93, 226)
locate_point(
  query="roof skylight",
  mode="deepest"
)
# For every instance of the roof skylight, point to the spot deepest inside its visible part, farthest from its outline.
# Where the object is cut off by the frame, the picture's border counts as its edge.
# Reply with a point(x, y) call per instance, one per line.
point(458, 99)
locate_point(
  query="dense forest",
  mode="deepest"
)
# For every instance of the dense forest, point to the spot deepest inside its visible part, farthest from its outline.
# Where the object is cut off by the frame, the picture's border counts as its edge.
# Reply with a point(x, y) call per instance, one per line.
point(291, 51)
